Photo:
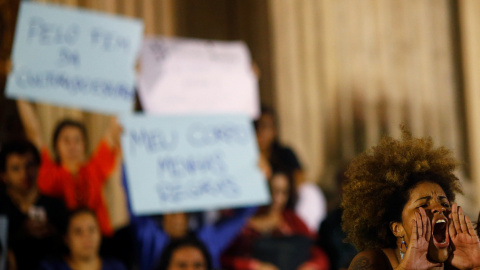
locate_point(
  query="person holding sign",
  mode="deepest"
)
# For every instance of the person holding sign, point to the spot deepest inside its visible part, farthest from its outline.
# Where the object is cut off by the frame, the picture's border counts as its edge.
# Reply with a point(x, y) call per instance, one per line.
point(153, 236)
point(70, 175)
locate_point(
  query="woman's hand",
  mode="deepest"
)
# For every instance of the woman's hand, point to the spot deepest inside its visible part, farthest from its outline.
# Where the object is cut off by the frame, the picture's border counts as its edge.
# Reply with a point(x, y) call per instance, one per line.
point(113, 132)
point(464, 241)
point(416, 255)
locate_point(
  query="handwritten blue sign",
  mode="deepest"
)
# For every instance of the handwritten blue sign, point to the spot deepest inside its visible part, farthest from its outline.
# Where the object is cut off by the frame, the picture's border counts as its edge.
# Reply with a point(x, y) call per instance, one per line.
point(189, 163)
point(74, 57)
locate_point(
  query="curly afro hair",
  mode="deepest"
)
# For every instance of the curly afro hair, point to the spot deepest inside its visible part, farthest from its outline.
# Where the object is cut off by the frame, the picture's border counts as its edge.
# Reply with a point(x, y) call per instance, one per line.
point(379, 182)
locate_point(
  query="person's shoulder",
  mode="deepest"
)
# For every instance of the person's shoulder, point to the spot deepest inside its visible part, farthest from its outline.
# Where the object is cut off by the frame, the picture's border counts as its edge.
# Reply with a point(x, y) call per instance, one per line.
point(296, 223)
point(370, 259)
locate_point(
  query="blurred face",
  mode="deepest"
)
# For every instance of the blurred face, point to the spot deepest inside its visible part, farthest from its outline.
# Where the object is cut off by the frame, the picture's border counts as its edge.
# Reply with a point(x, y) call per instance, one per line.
point(83, 236)
point(266, 131)
point(187, 258)
point(20, 172)
point(280, 190)
point(432, 198)
point(71, 145)
point(175, 225)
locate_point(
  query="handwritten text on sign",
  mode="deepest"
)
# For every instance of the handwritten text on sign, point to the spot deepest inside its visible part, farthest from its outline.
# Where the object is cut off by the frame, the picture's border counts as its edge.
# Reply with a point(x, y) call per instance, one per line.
point(74, 58)
point(182, 76)
point(188, 163)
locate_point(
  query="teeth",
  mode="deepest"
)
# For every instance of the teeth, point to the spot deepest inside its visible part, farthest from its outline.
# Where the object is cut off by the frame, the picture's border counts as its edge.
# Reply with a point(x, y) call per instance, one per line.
point(440, 221)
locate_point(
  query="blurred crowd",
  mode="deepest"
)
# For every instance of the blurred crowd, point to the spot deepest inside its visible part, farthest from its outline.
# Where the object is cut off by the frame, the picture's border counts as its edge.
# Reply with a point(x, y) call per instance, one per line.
point(58, 217)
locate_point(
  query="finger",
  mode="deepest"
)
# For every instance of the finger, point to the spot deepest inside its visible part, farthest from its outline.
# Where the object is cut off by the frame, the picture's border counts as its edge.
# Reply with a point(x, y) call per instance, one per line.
point(451, 228)
point(456, 221)
point(428, 227)
point(471, 230)
point(425, 221)
point(461, 217)
point(419, 224)
point(413, 239)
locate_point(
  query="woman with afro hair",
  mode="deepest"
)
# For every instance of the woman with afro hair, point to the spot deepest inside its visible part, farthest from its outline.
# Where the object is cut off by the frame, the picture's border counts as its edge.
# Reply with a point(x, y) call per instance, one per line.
point(399, 209)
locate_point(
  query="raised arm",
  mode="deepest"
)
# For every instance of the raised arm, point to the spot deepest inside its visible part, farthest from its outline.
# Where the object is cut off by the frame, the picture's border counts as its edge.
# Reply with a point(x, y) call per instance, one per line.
point(30, 122)
point(112, 134)
point(108, 152)
point(225, 231)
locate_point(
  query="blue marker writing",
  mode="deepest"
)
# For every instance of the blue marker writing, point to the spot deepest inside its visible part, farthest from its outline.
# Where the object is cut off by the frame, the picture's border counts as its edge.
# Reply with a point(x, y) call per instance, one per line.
point(46, 33)
point(153, 140)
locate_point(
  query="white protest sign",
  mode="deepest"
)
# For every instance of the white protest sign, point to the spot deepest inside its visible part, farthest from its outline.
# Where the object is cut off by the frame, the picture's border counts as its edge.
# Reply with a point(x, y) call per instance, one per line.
point(190, 163)
point(74, 57)
point(187, 76)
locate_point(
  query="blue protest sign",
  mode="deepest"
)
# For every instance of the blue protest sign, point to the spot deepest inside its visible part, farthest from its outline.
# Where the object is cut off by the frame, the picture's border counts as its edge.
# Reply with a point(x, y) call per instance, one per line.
point(189, 163)
point(74, 57)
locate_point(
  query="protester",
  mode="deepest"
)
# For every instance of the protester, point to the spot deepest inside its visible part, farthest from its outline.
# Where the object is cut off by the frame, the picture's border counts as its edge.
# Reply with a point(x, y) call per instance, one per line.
point(276, 238)
point(184, 254)
point(34, 220)
point(311, 204)
point(399, 209)
point(153, 235)
point(69, 175)
point(82, 238)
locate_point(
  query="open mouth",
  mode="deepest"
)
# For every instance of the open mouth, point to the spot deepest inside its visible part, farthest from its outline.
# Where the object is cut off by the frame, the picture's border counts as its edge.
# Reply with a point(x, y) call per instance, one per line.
point(440, 233)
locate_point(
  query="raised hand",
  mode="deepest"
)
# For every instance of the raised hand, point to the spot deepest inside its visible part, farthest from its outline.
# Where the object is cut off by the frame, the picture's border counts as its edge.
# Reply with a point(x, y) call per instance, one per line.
point(416, 255)
point(113, 132)
point(465, 242)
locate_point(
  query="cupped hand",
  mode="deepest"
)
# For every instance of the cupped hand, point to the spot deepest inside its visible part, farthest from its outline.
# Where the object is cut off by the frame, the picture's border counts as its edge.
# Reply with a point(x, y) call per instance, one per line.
point(464, 241)
point(113, 132)
point(416, 255)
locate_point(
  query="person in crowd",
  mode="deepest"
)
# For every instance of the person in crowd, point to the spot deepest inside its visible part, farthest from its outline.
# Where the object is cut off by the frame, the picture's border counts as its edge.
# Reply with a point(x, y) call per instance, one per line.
point(311, 204)
point(154, 234)
point(275, 237)
point(34, 219)
point(185, 253)
point(69, 174)
point(331, 236)
point(399, 208)
point(82, 238)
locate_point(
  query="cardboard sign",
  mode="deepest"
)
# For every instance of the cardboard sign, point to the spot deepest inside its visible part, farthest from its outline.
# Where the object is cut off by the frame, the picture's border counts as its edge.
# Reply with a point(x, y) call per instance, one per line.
point(190, 163)
point(186, 76)
point(74, 57)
